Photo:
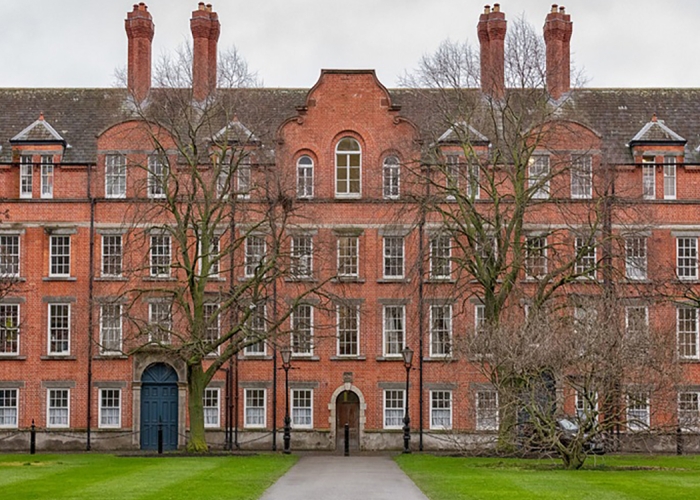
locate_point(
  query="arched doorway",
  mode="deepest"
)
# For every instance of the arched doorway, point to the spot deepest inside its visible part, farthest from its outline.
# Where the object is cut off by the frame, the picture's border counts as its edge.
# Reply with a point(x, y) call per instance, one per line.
point(347, 411)
point(159, 405)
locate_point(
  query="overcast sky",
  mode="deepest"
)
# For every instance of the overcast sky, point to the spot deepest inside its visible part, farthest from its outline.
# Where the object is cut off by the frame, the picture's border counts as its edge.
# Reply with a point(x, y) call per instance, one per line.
point(80, 43)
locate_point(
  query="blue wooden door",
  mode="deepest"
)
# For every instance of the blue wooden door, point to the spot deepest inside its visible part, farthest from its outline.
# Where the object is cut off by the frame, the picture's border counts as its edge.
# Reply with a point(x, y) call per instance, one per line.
point(159, 405)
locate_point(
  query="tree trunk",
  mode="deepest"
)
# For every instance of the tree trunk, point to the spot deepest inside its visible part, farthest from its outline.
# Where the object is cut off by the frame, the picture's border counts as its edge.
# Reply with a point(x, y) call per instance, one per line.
point(197, 442)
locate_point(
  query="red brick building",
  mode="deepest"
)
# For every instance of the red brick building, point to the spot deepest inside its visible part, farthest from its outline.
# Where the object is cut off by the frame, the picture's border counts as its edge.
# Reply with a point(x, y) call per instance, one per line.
point(350, 154)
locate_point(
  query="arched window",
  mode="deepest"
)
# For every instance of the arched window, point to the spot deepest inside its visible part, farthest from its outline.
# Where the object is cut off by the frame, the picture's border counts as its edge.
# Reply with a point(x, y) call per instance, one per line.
point(305, 177)
point(348, 168)
point(391, 177)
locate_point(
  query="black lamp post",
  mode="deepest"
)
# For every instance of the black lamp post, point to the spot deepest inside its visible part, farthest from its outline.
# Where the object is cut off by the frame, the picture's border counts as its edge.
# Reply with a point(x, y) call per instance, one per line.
point(286, 354)
point(407, 359)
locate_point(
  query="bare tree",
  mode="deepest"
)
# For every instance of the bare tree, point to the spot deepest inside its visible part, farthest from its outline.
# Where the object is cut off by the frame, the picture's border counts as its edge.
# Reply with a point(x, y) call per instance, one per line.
point(208, 235)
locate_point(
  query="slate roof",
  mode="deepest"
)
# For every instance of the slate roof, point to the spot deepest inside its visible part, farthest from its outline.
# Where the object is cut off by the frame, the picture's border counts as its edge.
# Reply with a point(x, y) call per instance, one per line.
point(79, 115)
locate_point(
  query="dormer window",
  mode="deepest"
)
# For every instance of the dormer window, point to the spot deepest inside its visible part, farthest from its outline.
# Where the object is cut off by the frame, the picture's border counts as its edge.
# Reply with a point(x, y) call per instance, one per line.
point(348, 168)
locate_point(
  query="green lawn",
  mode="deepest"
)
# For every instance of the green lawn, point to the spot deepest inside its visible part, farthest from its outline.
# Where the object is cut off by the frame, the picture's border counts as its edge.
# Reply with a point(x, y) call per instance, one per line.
point(614, 477)
point(94, 476)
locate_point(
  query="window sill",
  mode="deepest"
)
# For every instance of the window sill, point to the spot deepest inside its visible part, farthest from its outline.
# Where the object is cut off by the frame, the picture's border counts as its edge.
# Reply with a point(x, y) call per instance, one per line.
point(57, 357)
point(256, 357)
point(440, 280)
point(12, 357)
point(159, 278)
point(398, 357)
point(110, 356)
point(347, 279)
point(438, 359)
point(301, 279)
point(305, 357)
point(394, 280)
point(59, 278)
point(111, 278)
point(348, 358)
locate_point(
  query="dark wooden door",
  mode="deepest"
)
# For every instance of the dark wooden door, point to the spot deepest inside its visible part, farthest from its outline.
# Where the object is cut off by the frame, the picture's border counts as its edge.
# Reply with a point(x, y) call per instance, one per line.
point(347, 411)
point(159, 406)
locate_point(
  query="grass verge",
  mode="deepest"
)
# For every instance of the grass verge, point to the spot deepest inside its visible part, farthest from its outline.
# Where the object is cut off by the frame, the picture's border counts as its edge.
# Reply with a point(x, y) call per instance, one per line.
point(97, 476)
point(609, 477)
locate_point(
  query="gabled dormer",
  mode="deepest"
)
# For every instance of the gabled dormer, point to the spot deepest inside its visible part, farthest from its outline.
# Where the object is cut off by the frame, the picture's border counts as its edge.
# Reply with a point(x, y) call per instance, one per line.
point(658, 149)
point(37, 149)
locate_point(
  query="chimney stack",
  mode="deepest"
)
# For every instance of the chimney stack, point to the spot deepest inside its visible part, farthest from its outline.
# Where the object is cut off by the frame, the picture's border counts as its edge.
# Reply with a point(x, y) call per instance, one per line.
point(139, 30)
point(557, 37)
point(205, 33)
point(492, 34)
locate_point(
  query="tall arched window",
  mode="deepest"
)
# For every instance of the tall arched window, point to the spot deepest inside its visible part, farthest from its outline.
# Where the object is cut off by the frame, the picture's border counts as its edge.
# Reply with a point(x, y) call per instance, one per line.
point(305, 177)
point(348, 168)
point(391, 177)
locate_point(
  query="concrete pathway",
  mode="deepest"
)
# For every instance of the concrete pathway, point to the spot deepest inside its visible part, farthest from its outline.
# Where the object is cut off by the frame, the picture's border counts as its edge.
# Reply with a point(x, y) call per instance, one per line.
point(344, 478)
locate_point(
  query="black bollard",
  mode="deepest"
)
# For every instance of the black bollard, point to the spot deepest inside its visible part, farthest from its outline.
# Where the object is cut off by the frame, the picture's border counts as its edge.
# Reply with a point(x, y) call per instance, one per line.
point(32, 440)
point(347, 440)
point(160, 436)
point(679, 442)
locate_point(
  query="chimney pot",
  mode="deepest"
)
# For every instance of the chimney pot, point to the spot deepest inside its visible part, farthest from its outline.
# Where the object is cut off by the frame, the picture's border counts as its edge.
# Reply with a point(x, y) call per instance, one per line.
point(201, 6)
point(497, 7)
point(487, 9)
point(554, 8)
point(562, 10)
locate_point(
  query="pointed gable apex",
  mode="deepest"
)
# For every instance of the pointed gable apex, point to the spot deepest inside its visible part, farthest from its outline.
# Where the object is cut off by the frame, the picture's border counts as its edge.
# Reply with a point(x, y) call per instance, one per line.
point(654, 132)
point(41, 132)
point(235, 132)
point(462, 132)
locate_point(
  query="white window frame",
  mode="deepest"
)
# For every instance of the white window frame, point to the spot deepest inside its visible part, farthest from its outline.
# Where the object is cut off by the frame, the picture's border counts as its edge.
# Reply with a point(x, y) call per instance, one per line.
point(630, 327)
point(244, 179)
point(115, 176)
point(670, 178)
point(440, 265)
point(391, 412)
point(391, 178)
point(102, 419)
point(343, 332)
point(112, 255)
point(348, 169)
point(246, 422)
point(9, 414)
point(255, 250)
point(302, 330)
point(394, 330)
point(26, 176)
point(9, 315)
point(394, 257)
point(538, 176)
point(446, 317)
point(10, 252)
point(638, 414)
point(47, 176)
point(160, 321)
point(583, 407)
point(59, 261)
point(51, 409)
point(487, 418)
point(582, 177)
point(440, 403)
point(689, 411)
point(213, 255)
point(536, 262)
point(295, 398)
point(687, 257)
point(305, 177)
point(257, 322)
point(687, 332)
point(53, 314)
point(212, 413)
point(348, 256)
point(110, 335)
point(586, 262)
point(636, 258)
point(157, 177)
point(212, 327)
point(648, 177)
point(479, 317)
point(302, 254)
point(160, 255)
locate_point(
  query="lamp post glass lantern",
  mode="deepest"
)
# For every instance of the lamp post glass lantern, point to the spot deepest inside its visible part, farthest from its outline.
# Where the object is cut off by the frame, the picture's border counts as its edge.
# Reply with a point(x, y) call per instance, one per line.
point(286, 354)
point(407, 360)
